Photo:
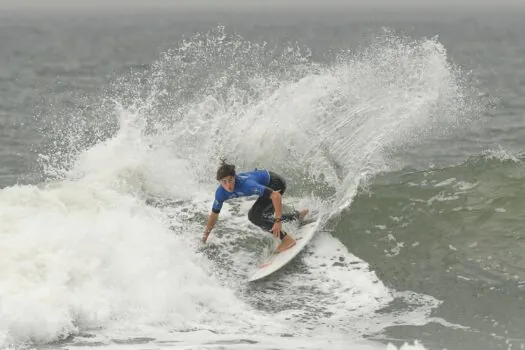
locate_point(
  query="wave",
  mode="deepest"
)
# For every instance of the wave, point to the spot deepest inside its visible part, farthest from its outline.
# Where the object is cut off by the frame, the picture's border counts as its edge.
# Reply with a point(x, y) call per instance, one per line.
point(110, 239)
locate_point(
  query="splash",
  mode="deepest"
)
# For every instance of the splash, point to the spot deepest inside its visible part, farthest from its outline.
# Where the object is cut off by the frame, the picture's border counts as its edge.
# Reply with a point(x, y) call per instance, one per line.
point(328, 124)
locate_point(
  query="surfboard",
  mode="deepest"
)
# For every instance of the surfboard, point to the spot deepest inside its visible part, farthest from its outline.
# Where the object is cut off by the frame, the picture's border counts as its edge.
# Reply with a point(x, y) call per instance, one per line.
point(277, 260)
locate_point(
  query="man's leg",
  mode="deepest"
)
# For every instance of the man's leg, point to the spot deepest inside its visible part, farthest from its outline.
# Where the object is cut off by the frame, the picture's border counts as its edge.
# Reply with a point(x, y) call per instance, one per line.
point(258, 213)
point(262, 213)
point(277, 183)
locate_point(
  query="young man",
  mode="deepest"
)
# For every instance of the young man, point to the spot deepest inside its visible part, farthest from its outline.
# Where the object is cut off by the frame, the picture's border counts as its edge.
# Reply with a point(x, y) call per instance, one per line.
point(267, 210)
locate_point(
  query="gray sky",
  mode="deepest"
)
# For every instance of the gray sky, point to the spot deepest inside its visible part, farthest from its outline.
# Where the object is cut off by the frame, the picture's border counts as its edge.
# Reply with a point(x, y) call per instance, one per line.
point(128, 4)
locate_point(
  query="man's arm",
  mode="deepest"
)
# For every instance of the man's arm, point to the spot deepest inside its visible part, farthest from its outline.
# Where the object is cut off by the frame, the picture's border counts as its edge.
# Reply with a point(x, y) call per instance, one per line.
point(212, 219)
point(277, 204)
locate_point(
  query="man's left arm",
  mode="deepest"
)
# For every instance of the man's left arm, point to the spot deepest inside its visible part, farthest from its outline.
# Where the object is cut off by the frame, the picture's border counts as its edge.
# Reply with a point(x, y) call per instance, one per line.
point(277, 204)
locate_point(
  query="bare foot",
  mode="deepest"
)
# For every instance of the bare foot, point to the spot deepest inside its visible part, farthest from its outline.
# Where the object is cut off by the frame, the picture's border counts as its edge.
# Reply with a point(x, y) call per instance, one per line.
point(287, 243)
point(303, 213)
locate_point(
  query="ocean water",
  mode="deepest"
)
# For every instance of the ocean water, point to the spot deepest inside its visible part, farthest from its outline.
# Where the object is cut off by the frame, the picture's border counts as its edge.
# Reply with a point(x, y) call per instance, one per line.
point(402, 130)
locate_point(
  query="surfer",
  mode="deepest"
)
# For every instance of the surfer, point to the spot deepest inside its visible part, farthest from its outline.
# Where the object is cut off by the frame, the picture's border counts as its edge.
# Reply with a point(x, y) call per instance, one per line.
point(266, 212)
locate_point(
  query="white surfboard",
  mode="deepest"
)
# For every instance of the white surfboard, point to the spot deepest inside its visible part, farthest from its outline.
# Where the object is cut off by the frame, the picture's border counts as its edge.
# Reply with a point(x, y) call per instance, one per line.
point(277, 260)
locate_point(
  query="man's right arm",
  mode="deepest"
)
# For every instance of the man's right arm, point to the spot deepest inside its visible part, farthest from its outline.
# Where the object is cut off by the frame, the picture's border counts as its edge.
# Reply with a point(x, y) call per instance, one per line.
point(212, 219)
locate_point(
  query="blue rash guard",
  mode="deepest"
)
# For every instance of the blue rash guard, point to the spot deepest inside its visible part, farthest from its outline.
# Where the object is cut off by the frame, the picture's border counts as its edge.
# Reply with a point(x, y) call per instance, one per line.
point(246, 184)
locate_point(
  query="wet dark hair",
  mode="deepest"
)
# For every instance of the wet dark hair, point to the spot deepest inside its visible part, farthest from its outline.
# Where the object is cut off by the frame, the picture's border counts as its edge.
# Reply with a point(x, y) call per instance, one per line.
point(225, 169)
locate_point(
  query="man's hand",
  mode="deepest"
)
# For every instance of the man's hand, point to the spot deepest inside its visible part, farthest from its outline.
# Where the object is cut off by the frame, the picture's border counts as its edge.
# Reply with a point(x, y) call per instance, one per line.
point(276, 229)
point(212, 219)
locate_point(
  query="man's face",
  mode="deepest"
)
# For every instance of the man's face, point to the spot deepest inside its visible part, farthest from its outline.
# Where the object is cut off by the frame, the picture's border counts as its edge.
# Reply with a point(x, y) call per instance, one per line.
point(228, 183)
